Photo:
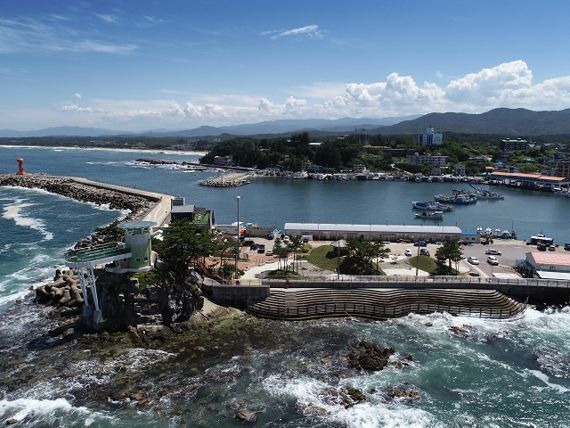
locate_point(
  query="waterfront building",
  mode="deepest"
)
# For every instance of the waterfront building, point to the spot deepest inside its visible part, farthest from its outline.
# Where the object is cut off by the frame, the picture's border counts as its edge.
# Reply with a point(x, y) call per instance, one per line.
point(549, 265)
point(513, 144)
point(321, 231)
point(563, 168)
point(459, 170)
point(529, 180)
point(435, 160)
point(223, 160)
point(430, 138)
point(197, 215)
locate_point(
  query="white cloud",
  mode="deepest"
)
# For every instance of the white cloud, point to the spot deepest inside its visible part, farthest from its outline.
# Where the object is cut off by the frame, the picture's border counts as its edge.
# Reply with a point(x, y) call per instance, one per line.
point(310, 31)
point(26, 34)
point(508, 84)
point(77, 95)
point(109, 19)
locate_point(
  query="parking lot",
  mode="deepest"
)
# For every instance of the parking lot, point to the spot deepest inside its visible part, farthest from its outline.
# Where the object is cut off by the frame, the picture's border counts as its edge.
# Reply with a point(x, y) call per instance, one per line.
point(511, 251)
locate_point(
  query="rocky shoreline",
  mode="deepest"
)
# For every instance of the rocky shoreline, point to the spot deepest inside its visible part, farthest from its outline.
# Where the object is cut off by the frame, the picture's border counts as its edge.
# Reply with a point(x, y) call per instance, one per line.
point(137, 206)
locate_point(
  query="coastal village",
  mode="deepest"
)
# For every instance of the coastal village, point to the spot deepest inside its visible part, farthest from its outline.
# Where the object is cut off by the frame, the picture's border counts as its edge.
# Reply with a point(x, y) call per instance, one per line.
point(257, 268)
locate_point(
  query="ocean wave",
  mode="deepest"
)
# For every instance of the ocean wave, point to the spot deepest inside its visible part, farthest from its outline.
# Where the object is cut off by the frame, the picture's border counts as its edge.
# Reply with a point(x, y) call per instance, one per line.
point(39, 412)
point(308, 394)
point(545, 379)
point(13, 212)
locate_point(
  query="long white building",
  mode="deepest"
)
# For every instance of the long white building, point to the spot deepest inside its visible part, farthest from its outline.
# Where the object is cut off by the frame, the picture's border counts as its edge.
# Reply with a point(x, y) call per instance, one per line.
point(386, 232)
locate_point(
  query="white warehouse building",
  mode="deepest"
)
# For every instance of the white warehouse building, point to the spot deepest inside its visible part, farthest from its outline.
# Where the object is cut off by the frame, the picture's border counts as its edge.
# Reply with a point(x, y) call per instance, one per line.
point(322, 231)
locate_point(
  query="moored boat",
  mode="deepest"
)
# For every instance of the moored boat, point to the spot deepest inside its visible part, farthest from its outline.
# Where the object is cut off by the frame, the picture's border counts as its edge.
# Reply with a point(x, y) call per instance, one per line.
point(430, 215)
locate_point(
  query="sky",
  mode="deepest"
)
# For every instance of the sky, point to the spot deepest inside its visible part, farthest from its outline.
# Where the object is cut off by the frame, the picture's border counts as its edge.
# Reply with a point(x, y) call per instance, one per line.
point(149, 64)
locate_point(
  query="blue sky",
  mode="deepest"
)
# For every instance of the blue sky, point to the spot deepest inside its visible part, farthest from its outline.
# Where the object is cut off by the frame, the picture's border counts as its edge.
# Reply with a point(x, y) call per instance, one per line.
point(175, 64)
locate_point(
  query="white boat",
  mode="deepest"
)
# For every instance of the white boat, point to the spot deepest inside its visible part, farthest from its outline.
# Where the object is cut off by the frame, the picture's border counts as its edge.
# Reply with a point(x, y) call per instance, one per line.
point(430, 215)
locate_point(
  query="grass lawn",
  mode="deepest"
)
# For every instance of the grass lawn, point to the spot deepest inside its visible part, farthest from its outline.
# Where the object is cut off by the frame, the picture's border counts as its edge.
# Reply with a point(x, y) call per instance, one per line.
point(318, 257)
point(424, 263)
point(281, 274)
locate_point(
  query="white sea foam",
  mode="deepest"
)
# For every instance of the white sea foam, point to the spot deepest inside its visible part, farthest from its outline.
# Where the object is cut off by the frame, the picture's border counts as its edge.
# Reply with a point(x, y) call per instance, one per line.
point(309, 392)
point(26, 408)
point(545, 379)
point(13, 212)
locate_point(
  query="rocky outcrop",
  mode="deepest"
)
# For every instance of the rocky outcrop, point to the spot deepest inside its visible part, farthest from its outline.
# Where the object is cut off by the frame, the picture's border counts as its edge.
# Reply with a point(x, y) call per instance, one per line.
point(123, 303)
point(404, 392)
point(137, 205)
point(347, 396)
point(369, 356)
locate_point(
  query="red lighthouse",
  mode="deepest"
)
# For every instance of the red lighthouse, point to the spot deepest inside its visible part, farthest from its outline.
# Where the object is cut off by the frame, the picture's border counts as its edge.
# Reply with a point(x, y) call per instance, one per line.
point(21, 167)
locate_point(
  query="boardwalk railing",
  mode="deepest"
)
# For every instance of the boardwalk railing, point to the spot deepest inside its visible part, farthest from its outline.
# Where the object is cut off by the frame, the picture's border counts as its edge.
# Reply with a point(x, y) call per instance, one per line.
point(377, 311)
point(413, 281)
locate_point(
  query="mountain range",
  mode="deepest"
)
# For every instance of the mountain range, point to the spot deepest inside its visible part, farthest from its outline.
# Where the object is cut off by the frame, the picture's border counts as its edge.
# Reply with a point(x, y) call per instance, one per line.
point(502, 121)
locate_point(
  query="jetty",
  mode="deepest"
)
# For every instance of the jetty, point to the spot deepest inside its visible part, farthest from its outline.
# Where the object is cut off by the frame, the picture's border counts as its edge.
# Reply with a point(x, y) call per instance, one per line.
point(141, 204)
point(232, 179)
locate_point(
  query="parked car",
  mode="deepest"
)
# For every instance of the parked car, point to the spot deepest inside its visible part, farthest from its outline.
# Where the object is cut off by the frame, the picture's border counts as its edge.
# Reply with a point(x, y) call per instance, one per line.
point(493, 252)
point(269, 253)
point(408, 252)
point(420, 244)
point(541, 247)
point(424, 252)
point(492, 260)
point(552, 248)
point(567, 246)
point(473, 260)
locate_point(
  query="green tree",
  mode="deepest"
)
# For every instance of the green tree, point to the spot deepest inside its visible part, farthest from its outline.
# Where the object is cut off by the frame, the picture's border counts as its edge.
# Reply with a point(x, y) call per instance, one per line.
point(450, 252)
point(360, 255)
point(295, 244)
point(183, 244)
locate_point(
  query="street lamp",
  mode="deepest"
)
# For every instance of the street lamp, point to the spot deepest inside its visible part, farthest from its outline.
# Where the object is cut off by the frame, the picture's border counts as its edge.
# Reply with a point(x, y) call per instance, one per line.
point(237, 236)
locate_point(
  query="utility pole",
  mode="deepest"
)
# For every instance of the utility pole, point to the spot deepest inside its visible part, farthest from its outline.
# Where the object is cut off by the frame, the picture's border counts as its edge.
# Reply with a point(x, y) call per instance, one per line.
point(237, 237)
point(418, 260)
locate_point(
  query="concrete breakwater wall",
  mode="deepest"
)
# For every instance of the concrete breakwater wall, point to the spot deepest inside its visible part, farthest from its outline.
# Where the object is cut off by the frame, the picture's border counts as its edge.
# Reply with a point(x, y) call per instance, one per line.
point(141, 204)
point(302, 304)
point(233, 179)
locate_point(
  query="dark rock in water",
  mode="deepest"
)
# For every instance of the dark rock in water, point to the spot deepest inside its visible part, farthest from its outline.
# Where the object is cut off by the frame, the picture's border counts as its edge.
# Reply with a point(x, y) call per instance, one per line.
point(12, 421)
point(404, 391)
point(246, 415)
point(356, 394)
point(312, 409)
point(428, 324)
point(460, 331)
point(369, 356)
point(346, 397)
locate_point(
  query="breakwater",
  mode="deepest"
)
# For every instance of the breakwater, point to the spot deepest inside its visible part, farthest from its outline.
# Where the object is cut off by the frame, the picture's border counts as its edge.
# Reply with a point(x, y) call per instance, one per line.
point(142, 205)
point(233, 179)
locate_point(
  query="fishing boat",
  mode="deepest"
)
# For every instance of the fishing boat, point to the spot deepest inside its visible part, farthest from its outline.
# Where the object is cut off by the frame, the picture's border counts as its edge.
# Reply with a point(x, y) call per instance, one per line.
point(431, 206)
point(486, 194)
point(430, 215)
point(457, 199)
